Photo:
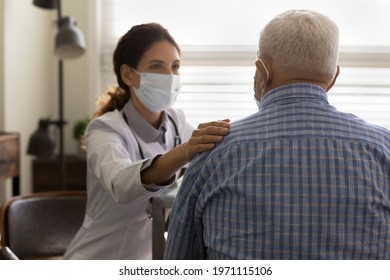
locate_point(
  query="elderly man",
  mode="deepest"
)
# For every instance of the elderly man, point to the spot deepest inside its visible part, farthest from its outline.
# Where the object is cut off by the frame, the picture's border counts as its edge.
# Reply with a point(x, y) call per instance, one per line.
point(298, 179)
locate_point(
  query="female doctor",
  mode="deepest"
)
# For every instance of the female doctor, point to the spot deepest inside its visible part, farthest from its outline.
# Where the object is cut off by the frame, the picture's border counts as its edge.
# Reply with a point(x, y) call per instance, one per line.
point(136, 146)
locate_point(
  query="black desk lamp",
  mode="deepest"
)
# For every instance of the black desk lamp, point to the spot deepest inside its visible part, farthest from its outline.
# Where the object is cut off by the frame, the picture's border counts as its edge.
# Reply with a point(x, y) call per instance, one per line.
point(69, 44)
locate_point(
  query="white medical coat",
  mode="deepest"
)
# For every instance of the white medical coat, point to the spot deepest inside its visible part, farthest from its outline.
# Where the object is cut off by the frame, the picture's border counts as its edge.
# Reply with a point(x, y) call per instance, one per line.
point(116, 225)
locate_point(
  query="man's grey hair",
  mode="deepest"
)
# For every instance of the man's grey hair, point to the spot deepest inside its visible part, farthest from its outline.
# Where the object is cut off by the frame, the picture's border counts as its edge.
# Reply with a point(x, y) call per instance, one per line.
point(302, 41)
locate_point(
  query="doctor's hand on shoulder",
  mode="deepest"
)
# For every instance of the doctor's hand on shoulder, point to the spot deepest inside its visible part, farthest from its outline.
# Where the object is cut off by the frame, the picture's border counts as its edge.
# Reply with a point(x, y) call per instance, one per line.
point(204, 138)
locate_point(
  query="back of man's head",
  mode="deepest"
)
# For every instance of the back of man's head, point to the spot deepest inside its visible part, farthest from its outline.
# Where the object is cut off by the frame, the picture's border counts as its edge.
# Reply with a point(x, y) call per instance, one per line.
point(301, 42)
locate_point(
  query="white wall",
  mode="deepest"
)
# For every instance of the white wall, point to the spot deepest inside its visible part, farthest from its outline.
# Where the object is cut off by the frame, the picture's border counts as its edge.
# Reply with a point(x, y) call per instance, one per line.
point(1, 67)
point(2, 190)
point(75, 74)
point(28, 74)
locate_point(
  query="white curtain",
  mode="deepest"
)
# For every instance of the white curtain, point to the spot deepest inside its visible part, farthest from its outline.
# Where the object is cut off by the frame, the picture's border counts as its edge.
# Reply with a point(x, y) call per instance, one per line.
point(218, 40)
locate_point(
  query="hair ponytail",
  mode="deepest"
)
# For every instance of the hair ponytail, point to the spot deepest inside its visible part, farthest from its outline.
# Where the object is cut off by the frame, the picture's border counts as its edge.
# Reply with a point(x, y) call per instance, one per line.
point(114, 99)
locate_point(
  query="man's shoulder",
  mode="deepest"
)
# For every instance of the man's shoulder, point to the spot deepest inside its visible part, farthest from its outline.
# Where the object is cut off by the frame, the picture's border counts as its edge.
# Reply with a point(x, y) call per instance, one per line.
point(368, 131)
point(239, 131)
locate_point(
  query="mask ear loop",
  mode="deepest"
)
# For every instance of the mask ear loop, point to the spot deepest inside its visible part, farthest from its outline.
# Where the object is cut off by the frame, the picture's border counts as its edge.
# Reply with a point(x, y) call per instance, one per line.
point(132, 69)
point(265, 68)
point(139, 72)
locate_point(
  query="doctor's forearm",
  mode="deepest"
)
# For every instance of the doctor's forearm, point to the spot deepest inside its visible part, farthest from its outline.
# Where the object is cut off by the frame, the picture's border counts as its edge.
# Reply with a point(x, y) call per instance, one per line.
point(203, 139)
point(164, 167)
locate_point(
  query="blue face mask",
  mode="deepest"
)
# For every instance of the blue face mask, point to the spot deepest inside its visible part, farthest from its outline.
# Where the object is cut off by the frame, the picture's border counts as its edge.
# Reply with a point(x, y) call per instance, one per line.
point(157, 92)
point(257, 101)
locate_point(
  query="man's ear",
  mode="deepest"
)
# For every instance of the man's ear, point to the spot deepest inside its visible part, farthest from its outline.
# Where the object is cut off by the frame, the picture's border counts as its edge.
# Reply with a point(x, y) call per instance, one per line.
point(334, 79)
point(128, 75)
point(264, 70)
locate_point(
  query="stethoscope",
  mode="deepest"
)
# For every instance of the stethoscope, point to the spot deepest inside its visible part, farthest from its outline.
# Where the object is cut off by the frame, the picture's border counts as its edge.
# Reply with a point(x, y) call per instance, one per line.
point(177, 140)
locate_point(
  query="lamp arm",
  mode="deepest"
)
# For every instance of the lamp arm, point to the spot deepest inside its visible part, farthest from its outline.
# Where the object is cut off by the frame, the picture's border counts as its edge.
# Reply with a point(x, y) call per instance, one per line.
point(59, 12)
point(47, 122)
point(59, 123)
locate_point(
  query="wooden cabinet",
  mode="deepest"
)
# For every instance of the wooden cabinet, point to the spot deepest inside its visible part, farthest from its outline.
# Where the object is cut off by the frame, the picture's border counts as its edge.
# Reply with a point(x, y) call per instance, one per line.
point(9, 159)
point(46, 174)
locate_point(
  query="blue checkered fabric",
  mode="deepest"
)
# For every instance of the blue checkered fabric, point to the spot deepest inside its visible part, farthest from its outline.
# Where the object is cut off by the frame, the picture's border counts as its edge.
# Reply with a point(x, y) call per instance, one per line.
point(297, 180)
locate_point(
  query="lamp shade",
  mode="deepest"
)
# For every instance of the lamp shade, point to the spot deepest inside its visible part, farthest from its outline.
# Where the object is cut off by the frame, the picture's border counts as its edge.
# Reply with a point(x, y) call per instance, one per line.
point(46, 4)
point(69, 41)
point(41, 141)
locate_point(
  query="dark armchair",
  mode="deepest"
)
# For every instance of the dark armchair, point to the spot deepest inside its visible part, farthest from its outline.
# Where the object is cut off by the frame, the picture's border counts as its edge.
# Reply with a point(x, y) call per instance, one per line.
point(7, 254)
point(41, 225)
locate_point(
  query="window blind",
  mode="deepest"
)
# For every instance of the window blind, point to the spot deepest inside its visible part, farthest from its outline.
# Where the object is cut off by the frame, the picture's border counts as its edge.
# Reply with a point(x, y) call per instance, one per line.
point(218, 92)
point(217, 79)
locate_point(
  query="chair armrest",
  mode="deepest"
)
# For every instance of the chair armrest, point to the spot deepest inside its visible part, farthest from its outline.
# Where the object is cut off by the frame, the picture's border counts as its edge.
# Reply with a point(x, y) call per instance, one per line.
point(7, 254)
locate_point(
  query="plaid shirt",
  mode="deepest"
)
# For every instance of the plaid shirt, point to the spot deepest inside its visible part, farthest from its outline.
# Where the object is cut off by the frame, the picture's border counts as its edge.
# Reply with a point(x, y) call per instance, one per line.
point(297, 180)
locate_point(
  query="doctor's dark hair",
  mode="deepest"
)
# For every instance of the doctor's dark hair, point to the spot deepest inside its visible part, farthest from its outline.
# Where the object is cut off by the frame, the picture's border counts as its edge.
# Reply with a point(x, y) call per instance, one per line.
point(129, 50)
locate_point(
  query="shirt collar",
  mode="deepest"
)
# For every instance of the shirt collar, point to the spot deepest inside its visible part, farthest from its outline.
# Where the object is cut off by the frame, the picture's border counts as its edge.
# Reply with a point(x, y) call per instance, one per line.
point(291, 92)
point(142, 128)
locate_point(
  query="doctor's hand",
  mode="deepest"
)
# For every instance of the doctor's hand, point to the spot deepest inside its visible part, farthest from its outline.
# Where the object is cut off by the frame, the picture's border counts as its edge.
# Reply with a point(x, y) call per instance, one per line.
point(205, 137)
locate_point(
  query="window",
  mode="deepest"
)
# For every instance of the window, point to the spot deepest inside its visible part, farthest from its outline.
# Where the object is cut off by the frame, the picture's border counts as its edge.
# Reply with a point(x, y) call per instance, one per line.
point(218, 40)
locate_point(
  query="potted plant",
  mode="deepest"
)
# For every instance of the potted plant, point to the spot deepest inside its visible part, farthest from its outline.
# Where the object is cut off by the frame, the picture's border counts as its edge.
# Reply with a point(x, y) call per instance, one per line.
point(78, 134)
